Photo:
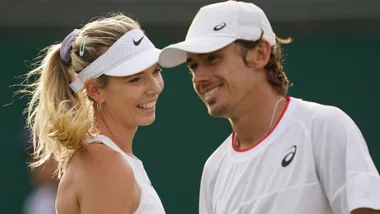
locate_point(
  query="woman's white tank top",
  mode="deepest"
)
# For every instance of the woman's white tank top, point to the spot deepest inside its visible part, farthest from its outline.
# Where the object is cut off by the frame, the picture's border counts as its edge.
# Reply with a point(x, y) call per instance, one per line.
point(150, 202)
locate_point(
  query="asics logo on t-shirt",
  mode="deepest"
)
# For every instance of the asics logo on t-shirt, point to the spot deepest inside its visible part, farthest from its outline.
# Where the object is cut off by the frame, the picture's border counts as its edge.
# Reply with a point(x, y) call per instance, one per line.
point(289, 157)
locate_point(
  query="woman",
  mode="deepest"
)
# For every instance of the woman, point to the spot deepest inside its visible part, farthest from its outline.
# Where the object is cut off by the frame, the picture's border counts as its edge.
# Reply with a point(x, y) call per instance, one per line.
point(91, 94)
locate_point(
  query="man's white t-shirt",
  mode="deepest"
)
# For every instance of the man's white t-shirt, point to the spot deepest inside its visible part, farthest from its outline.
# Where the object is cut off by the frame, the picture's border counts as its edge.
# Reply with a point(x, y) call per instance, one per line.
point(314, 161)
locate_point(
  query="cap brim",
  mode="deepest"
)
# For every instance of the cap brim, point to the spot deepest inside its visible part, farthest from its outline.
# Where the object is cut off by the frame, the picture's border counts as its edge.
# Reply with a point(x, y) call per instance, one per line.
point(176, 54)
point(136, 64)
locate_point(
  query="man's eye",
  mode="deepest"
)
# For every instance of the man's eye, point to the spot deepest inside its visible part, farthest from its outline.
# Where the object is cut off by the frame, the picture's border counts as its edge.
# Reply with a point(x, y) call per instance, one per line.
point(212, 58)
point(192, 67)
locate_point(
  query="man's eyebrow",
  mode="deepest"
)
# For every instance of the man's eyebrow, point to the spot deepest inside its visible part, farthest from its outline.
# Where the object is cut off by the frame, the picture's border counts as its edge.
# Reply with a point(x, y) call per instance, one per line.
point(189, 59)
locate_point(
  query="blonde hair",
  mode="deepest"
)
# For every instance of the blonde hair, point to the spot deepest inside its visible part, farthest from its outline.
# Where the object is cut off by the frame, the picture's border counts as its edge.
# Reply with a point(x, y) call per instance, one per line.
point(60, 119)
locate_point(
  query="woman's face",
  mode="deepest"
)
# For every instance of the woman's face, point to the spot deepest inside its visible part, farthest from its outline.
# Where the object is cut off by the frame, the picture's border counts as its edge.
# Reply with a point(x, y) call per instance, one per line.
point(132, 100)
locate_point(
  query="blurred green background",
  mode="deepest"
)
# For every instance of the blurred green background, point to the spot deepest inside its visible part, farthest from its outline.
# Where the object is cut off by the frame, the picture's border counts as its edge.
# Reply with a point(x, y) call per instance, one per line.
point(334, 63)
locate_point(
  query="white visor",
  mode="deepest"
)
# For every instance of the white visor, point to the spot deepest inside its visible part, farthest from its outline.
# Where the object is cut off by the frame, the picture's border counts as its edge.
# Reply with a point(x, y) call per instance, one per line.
point(129, 55)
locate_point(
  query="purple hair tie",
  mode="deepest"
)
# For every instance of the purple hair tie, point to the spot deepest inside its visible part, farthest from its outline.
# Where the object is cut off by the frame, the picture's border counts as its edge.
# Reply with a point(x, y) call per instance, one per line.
point(65, 51)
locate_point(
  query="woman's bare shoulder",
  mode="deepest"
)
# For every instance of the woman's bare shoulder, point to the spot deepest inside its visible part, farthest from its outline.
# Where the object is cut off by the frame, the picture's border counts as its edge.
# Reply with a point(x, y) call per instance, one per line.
point(94, 171)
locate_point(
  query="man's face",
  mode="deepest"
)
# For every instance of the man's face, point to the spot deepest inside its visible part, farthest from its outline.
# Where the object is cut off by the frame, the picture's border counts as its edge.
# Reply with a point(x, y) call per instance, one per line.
point(222, 79)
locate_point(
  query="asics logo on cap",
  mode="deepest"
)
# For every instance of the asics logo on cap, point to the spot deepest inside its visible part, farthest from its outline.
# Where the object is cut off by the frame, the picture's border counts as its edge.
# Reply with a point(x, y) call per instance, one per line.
point(138, 41)
point(220, 26)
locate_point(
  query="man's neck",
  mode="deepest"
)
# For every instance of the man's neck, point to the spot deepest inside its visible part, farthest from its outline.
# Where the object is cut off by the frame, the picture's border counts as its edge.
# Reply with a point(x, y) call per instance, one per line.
point(251, 121)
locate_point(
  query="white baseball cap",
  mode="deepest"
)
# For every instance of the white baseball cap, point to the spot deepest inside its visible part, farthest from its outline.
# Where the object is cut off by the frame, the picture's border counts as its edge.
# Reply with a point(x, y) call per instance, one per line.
point(216, 26)
point(130, 54)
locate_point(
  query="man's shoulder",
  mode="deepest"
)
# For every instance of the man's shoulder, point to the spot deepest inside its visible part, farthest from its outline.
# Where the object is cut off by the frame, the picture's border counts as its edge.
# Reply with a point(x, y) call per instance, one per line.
point(322, 119)
point(216, 157)
point(313, 111)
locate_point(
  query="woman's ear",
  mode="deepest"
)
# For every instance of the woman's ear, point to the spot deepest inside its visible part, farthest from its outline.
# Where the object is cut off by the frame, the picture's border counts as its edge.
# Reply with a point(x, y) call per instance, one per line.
point(94, 91)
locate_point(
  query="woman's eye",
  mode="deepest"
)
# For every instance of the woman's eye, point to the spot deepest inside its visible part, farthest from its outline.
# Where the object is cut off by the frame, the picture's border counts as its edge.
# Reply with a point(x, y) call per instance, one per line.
point(158, 70)
point(135, 79)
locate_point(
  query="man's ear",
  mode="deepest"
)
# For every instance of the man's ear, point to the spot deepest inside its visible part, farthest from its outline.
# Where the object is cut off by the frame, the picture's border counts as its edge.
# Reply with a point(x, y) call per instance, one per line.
point(259, 56)
point(94, 91)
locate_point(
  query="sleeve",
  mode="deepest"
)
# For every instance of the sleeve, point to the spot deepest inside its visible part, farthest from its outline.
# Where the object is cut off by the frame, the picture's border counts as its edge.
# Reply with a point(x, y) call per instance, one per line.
point(345, 168)
point(205, 200)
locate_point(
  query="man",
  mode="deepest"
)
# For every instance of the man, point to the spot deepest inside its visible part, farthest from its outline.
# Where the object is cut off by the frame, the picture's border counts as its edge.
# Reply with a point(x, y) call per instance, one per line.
point(285, 155)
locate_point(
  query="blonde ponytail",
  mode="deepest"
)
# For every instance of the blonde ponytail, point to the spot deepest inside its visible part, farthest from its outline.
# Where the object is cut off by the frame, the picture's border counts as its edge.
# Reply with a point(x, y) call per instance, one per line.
point(61, 120)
